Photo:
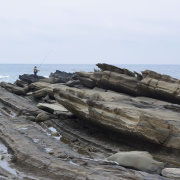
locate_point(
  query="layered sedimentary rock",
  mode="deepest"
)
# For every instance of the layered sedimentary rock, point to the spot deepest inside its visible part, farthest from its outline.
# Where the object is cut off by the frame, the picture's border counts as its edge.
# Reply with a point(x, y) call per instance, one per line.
point(13, 88)
point(90, 111)
point(109, 80)
point(150, 83)
point(159, 86)
point(146, 118)
point(18, 103)
point(46, 157)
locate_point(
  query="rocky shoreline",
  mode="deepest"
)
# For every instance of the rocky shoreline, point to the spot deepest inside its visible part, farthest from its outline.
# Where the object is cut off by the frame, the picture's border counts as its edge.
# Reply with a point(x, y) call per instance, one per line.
point(108, 124)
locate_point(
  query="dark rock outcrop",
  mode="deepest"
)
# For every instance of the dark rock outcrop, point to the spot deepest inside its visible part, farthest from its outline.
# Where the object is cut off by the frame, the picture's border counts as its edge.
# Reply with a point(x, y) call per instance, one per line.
point(62, 77)
point(29, 78)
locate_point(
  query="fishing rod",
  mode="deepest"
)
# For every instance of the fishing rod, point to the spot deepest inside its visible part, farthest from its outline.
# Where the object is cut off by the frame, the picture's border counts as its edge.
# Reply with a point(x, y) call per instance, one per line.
point(45, 58)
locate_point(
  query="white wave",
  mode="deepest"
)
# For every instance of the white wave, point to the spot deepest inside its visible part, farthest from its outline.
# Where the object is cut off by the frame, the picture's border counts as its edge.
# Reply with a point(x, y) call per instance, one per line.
point(46, 76)
point(4, 76)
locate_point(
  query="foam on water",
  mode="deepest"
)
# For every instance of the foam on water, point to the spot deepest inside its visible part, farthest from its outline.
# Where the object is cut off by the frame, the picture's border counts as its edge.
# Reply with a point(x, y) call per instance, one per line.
point(4, 76)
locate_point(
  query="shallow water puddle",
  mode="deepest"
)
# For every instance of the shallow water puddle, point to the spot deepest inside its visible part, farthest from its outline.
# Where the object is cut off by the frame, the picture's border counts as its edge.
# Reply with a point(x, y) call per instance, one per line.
point(51, 131)
point(48, 149)
point(36, 140)
point(54, 133)
point(75, 164)
point(23, 128)
point(5, 158)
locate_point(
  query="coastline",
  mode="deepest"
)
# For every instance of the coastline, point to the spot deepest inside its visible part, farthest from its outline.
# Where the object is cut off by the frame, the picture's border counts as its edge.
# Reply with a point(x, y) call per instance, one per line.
point(67, 125)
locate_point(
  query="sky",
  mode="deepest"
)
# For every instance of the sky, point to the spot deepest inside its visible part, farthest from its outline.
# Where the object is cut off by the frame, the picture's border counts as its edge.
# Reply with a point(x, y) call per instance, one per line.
point(90, 31)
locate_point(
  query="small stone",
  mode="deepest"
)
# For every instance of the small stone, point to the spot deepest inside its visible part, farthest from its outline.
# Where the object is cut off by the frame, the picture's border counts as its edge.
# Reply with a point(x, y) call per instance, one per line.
point(2, 157)
point(51, 152)
point(171, 172)
point(54, 133)
point(42, 117)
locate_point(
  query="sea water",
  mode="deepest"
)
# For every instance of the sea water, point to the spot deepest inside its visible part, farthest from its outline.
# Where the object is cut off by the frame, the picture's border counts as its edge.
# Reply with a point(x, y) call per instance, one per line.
point(10, 72)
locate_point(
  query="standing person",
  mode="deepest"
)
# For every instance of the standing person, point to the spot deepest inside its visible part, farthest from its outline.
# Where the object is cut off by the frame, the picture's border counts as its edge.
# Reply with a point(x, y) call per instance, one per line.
point(35, 72)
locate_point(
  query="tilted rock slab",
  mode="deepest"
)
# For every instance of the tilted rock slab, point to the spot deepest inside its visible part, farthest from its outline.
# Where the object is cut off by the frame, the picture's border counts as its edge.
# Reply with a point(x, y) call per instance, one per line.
point(29, 144)
point(110, 80)
point(150, 83)
point(13, 88)
point(146, 118)
point(19, 104)
point(159, 86)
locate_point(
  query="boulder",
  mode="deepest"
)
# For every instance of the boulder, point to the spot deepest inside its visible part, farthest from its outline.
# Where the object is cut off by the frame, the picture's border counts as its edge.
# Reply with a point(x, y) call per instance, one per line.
point(42, 117)
point(140, 160)
point(173, 173)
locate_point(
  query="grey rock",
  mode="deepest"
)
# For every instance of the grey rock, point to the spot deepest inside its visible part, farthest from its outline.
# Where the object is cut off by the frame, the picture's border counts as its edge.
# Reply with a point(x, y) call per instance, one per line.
point(139, 160)
point(42, 117)
point(173, 173)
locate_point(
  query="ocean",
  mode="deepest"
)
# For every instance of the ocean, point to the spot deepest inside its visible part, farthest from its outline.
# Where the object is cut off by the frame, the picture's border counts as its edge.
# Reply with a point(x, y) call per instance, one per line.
point(10, 72)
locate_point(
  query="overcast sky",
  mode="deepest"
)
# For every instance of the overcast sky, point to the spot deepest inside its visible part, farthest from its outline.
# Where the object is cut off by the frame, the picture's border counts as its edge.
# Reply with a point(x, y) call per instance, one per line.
point(90, 31)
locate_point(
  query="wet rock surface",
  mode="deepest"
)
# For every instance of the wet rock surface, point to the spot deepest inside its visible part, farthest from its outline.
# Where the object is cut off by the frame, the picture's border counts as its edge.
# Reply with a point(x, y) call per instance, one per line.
point(59, 129)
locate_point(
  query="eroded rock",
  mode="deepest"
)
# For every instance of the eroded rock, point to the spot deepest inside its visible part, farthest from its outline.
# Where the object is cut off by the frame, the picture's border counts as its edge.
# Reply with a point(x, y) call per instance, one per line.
point(13, 88)
point(29, 78)
point(144, 118)
point(42, 117)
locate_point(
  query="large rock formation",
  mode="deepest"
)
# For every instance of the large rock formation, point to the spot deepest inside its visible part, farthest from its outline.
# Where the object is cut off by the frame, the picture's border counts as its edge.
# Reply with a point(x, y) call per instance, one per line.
point(46, 157)
point(88, 122)
point(145, 118)
point(29, 78)
point(149, 84)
